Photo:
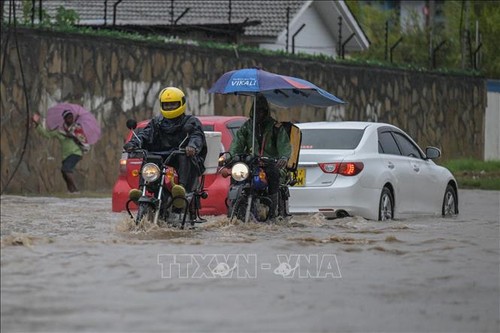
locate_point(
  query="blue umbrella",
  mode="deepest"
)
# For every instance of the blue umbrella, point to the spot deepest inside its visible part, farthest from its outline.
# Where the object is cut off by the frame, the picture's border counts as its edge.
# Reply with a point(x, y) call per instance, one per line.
point(281, 90)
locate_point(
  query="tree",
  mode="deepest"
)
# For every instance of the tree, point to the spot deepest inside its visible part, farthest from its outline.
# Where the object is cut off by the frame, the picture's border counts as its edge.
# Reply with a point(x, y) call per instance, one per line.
point(452, 47)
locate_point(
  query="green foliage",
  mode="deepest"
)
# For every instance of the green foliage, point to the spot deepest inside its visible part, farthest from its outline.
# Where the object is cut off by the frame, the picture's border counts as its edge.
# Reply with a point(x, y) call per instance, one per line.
point(489, 25)
point(66, 17)
point(478, 181)
point(473, 165)
point(373, 22)
point(28, 13)
point(418, 41)
point(475, 174)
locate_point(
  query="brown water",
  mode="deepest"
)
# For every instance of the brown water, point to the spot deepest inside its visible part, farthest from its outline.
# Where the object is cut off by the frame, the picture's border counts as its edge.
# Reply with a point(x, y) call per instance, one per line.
point(72, 265)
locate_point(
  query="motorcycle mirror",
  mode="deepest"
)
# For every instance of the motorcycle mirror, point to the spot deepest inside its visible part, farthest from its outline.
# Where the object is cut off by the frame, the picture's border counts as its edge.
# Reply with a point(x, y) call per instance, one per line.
point(224, 157)
point(131, 124)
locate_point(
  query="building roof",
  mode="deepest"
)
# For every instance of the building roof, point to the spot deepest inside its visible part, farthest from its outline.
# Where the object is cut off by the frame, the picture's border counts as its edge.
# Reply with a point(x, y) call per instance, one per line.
point(271, 14)
point(256, 20)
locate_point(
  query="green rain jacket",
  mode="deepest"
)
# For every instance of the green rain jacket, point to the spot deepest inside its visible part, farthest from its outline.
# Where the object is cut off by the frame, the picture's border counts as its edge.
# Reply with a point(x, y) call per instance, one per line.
point(68, 145)
point(275, 139)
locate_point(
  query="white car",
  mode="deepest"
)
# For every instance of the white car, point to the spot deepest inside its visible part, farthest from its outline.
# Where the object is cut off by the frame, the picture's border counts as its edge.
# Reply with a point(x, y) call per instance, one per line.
point(372, 170)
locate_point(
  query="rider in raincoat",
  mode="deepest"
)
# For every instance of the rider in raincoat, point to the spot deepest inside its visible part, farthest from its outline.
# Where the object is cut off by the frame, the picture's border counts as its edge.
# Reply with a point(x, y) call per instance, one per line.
point(166, 132)
point(271, 140)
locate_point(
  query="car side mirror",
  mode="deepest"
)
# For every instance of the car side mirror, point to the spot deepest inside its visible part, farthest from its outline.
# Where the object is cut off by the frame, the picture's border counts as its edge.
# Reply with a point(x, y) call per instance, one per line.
point(131, 124)
point(432, 152)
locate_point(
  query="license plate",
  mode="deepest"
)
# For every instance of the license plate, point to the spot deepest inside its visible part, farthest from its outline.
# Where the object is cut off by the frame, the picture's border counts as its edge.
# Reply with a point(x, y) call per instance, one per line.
point(301, 177)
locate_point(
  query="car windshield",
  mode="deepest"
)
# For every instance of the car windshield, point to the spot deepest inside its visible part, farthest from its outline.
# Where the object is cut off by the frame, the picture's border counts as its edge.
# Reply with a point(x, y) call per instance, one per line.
point(333, 138)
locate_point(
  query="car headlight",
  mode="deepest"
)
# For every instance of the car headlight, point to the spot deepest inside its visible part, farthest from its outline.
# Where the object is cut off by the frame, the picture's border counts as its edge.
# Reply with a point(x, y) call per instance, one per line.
point(150, 172)
point(239, 172)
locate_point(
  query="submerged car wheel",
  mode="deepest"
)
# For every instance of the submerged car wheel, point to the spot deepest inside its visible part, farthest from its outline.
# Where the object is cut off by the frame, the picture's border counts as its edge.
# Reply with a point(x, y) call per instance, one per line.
point(450, 202)
point(386, 205)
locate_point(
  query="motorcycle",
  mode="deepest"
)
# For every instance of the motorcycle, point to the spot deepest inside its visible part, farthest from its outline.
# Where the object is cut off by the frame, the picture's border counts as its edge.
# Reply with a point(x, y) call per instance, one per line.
point(248, 197)
point(158, 197)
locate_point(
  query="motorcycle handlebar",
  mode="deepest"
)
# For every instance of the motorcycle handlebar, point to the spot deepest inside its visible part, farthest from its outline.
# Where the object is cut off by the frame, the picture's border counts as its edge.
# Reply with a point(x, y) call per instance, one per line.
point(164, 154)
point(268, 160)
point(249, 159)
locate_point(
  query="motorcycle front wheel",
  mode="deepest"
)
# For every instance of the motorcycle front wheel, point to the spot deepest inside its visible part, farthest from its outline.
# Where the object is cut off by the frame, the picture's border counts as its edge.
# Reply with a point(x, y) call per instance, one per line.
point(239, 208)
point(145, 211)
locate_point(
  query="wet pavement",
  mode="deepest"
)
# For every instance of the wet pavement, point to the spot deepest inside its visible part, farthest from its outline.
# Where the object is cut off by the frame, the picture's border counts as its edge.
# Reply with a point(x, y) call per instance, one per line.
point(71, 265)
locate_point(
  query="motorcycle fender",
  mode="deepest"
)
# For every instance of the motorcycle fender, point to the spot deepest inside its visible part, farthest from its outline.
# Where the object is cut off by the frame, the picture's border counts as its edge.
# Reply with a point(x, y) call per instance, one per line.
point(234, 192)
point(149, 200)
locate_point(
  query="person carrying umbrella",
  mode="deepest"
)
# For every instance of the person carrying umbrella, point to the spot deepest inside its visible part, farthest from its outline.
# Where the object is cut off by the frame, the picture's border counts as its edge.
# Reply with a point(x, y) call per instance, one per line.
point(73, 144)
point(271, 141)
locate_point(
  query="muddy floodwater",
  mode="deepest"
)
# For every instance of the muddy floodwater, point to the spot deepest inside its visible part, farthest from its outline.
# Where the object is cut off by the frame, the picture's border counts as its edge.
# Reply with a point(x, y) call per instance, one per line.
point(71, 265)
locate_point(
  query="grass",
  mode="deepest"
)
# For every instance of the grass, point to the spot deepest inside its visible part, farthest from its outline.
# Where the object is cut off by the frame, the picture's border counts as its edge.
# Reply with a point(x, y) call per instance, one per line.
point(474, 174)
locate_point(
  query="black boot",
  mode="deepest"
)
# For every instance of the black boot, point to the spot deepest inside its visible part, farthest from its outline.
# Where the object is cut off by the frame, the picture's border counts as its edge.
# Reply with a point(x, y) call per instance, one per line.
point(273, 212)
point(70, 181)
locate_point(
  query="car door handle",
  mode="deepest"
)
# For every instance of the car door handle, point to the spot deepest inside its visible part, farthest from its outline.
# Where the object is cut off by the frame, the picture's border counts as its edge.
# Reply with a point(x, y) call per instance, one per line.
point(390, 165)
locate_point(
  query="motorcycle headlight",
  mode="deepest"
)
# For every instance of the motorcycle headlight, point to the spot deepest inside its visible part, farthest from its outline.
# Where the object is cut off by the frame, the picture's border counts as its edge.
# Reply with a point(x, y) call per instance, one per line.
point(150, 172)
point(239, 172)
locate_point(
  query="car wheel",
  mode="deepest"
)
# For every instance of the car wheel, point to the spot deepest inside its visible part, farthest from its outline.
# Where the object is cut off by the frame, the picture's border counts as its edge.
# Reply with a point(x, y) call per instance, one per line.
point(386, 205)
point(450, 202)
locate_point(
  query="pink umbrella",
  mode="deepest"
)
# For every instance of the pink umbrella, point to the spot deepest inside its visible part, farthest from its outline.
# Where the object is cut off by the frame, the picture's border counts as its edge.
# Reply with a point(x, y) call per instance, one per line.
point(81, 115)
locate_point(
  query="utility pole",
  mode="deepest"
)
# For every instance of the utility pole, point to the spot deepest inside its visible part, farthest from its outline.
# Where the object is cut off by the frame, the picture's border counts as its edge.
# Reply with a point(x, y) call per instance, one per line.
point(287, 26)
point(339, 47)
point(464, 33)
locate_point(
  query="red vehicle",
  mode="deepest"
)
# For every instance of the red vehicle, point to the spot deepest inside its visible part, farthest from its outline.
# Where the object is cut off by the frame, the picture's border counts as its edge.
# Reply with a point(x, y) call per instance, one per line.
point(215, 185)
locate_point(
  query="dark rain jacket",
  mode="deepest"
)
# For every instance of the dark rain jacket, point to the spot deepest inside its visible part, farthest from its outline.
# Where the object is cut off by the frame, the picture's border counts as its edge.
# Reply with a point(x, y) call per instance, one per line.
point(271, 139)
point(162, 134)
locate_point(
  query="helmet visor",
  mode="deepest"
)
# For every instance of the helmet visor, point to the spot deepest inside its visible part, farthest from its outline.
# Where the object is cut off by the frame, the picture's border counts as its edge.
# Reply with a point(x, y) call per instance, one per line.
point(169, 106)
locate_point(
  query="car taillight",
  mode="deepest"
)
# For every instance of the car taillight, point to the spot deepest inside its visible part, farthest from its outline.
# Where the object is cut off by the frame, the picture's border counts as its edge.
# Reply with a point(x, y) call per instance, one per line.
point(328, 167)
point(343, 168)
point(350, 168)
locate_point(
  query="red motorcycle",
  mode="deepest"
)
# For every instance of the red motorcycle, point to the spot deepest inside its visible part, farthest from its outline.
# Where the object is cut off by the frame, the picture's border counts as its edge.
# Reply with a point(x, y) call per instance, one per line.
point(159, 198)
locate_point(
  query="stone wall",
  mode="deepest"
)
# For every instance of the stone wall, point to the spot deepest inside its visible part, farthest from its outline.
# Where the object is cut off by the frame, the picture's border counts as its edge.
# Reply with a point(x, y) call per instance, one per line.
point(120, 79)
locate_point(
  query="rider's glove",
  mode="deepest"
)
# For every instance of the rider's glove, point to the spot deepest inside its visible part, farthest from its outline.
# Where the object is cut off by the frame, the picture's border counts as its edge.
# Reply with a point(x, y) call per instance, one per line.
point(225, 172)
point(190, 151)
point(130, 146)
point(281, 163)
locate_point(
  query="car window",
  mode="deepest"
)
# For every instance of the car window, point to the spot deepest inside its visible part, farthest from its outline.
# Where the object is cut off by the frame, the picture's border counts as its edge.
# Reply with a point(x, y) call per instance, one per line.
point(407, 147)
point(338, 138)
point(387, 144)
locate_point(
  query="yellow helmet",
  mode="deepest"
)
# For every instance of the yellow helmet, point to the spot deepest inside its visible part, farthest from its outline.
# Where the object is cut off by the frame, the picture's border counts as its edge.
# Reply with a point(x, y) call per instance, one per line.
point(172, 102)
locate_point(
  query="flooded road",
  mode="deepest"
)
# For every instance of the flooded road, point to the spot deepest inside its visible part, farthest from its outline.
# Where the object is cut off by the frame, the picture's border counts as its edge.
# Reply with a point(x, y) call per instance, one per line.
point(71, 265)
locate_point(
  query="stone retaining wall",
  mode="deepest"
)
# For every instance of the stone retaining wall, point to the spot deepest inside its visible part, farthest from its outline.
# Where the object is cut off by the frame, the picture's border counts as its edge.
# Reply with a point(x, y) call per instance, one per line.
point(120, 79)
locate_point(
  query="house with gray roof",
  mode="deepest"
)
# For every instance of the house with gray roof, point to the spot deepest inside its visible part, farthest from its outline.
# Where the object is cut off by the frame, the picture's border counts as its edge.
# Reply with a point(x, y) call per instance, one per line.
point(307, 26)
